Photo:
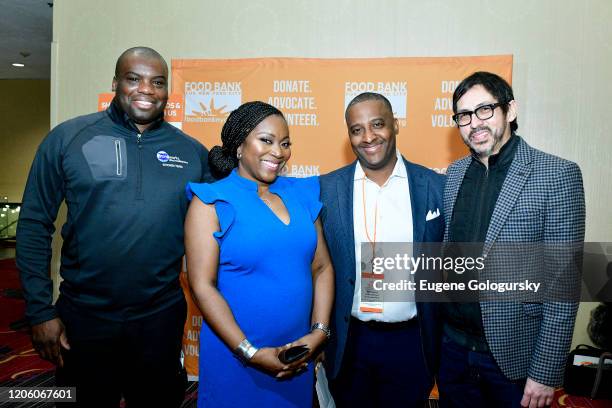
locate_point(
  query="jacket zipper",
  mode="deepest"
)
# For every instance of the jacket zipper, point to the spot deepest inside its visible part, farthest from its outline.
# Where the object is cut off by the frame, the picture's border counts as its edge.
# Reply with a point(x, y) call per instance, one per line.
point(139, 194)
point(118, 157)
point(483, 187)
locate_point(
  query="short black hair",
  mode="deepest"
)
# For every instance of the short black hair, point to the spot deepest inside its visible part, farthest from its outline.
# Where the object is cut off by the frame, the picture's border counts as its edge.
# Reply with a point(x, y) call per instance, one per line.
point(368, 96)
point(494, 84)
point(144, 51)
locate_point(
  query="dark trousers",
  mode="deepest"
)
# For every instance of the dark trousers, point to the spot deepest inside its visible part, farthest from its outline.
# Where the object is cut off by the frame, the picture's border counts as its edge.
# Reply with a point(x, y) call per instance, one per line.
point(470, 379)
point(138, 359)
point(382, 367)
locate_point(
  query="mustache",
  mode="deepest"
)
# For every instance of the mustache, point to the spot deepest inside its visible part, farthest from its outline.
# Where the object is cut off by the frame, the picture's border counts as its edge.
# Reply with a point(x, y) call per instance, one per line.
point(480, 129)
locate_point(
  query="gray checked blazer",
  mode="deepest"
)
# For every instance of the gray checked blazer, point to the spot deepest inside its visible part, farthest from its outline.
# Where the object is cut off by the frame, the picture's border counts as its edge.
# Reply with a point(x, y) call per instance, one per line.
point(541, 201)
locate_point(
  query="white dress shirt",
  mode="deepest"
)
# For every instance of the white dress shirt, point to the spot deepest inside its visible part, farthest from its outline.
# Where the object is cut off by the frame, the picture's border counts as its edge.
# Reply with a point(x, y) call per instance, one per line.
point(394, 224)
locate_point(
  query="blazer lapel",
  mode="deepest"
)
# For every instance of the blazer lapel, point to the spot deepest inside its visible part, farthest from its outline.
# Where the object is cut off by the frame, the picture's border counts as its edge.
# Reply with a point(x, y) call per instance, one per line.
point(418, 201)
point(453, 183)
point(344, 186)
point(511, 189)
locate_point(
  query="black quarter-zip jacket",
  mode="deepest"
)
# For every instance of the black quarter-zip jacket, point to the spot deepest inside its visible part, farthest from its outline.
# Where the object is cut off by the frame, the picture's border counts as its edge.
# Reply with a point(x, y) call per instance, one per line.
point(123, 236)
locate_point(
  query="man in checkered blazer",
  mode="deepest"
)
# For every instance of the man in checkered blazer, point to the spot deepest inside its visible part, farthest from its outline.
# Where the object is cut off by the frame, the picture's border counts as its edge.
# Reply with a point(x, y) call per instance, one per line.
point(507, 353)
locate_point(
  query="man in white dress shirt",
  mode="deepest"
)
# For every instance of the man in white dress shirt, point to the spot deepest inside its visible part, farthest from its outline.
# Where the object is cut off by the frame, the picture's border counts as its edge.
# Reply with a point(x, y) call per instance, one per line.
point(381, 353)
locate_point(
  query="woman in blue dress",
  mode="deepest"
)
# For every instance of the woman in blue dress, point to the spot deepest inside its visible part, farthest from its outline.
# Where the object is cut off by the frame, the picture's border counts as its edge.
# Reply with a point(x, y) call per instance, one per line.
point(258, 267)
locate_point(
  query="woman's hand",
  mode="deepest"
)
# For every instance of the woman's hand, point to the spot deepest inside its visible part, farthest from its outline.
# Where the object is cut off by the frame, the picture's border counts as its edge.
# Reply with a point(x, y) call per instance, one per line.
point(266, 359)
point(314, 341)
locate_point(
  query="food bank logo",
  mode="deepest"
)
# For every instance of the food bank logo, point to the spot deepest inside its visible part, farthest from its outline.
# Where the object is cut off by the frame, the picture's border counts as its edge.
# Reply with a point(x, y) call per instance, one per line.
point(395, 91)
point(211, 101)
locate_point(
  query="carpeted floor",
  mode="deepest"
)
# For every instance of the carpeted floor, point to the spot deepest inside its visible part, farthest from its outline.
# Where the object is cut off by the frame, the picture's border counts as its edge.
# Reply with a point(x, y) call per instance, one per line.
point(18, 360)
point(20, 366)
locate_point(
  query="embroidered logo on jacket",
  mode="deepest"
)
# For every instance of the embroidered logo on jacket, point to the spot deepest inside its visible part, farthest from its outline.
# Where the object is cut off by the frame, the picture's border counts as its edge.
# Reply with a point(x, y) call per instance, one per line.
point(170, 161)
point(162, 156)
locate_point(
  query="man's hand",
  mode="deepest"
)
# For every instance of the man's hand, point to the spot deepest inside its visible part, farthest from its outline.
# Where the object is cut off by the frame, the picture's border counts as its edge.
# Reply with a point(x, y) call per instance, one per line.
point(47, 338)
point(537, 395)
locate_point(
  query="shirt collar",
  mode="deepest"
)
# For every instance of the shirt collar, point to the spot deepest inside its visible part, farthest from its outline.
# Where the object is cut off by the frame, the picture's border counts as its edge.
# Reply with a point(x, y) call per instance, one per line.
point(399, 170)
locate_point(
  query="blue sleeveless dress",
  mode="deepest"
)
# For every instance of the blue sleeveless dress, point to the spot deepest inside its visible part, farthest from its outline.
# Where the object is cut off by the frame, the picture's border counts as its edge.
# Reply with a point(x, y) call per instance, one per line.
point(265, 277)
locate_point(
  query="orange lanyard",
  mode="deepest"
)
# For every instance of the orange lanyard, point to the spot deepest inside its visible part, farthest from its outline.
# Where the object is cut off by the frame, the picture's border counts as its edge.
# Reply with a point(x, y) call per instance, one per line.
point(365, 217)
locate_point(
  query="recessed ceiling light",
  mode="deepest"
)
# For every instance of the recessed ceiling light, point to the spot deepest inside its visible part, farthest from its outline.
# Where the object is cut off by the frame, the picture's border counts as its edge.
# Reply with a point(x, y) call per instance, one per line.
point(17, 64)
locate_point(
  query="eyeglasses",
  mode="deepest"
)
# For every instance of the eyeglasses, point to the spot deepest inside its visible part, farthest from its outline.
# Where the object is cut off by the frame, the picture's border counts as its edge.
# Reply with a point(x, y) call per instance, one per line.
point(482, 112)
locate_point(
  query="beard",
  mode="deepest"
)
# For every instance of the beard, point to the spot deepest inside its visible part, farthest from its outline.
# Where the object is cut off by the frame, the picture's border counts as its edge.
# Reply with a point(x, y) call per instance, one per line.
point(492, 144)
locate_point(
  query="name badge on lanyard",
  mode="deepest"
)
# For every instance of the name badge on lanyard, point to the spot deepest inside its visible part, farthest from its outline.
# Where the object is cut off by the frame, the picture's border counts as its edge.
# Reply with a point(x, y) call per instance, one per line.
point(371, 300)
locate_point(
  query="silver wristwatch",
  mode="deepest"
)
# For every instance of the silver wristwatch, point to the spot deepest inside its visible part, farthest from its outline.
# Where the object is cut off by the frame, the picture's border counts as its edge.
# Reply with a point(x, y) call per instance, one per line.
point(245, 350)
point(323, 327)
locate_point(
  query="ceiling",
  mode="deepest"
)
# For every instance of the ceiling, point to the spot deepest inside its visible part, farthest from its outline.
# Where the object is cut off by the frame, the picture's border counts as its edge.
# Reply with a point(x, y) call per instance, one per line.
point(25, 27)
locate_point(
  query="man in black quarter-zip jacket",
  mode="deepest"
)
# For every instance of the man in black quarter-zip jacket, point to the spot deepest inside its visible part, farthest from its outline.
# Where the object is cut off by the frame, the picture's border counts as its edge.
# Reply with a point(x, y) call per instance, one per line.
point(116, 328)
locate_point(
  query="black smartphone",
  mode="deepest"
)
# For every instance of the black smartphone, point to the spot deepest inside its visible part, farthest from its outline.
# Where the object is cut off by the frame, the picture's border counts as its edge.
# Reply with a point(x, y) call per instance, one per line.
point(292, 354)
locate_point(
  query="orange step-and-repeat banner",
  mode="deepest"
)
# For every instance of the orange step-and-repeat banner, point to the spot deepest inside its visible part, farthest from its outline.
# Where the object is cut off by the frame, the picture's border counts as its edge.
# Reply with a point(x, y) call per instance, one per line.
point(313, 94)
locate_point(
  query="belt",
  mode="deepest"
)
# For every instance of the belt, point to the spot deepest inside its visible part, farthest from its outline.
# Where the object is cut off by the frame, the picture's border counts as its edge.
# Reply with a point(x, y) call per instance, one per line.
point(385, 326)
